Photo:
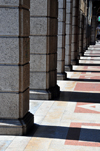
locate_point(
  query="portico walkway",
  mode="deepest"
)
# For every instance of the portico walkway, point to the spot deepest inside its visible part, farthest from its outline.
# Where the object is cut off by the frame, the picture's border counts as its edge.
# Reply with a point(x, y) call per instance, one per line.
point(71, 123)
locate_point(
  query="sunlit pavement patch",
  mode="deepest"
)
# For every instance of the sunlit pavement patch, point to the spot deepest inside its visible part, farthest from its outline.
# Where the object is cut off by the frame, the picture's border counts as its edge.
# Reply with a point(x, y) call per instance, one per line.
point(87, 108)
point(87, 87)
point(89, 75)
point(4, 144)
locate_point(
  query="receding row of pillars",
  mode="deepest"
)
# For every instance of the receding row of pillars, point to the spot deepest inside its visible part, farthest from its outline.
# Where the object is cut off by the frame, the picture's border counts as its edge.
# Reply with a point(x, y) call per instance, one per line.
point(36, 48)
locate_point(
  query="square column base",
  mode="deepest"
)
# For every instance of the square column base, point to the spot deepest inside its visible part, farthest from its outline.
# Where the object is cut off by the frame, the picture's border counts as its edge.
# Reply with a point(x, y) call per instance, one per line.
point(92, 43)
point(16, 126)
point(61, 76)
point(74, 62)
point(68, 68)
point(78, 57)
point(49, 94)
point(81, 54)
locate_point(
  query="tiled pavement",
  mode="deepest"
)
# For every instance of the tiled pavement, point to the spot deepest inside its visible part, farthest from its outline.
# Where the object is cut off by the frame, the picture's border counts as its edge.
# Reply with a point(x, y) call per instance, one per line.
point(71, 123)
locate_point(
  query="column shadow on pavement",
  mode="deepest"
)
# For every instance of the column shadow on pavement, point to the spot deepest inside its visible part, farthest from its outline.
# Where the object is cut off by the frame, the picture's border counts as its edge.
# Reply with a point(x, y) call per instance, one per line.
point(66, 133)
point(79, 97)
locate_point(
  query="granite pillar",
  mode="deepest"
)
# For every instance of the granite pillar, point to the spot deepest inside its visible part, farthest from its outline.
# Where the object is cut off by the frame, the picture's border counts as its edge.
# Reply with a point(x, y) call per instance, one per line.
point(84, 35)
point(81, 34)
point(75, 6)
point(14, 67)
point(61, 75)
point(93, 30)
point(43, 49)
point(68, 65)
point(87, 32)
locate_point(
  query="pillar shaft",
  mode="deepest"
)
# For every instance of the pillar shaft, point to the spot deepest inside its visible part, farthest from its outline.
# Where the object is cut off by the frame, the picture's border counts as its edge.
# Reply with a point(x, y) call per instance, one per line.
point(81, 23)
point(68, 35)
point(61, 40)
point(14, 66)
point(87, 32)
point(75, 6)
point(84, 35)
point(93, 30)
point(43, 49)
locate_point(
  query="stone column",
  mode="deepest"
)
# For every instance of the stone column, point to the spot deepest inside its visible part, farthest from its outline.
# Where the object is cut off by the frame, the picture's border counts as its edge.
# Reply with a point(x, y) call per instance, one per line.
point(78, 56)
point(87, 33)
point(81, 33)
point(93, 30)
point(78, 30)
point(43, 49)
point(14, 67)
point(82, 41)
point(75, 6)
point(61, 75)
point(84, 35)
point(68, 65)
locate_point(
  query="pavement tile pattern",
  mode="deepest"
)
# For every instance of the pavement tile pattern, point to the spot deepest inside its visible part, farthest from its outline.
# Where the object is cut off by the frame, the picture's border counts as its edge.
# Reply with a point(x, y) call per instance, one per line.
point(71, 123)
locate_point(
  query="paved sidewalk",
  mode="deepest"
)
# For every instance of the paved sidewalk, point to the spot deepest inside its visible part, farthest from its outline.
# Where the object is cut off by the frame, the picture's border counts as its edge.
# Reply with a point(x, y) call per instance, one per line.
point(71, 123)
